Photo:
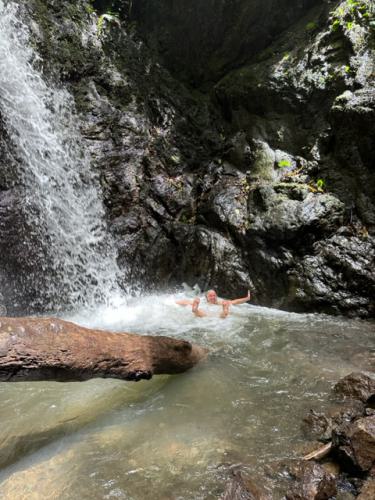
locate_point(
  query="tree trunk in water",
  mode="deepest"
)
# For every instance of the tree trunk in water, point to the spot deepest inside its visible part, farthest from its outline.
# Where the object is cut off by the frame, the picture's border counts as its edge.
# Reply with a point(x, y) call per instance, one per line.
point(53, 349)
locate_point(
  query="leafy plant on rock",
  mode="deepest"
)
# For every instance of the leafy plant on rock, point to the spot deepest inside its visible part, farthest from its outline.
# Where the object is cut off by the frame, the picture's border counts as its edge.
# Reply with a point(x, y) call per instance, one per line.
point(284, 164)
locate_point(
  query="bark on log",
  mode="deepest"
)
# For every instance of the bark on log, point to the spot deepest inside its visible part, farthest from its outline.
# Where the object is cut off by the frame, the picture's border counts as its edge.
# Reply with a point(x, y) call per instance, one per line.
point(53, 349)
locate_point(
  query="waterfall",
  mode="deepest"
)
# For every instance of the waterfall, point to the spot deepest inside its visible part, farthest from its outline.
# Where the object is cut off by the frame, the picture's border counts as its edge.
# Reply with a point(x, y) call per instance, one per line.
point(61, 196)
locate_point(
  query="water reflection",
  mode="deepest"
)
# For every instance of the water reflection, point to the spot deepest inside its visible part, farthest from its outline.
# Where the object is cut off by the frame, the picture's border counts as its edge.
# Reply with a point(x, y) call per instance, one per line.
point(169, 438)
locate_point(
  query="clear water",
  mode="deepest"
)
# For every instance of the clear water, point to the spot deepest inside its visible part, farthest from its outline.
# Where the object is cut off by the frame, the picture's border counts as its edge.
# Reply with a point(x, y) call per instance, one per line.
point(61, 199)
point(175, 436)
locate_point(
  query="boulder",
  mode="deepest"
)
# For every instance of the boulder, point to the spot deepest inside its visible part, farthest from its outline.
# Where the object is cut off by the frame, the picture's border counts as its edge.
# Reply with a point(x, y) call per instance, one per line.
point(317, 426)
point(312, 482)
point(356, 386)
point(355, 444)
point(320, 425)
point(240, 487)
point(367, 491)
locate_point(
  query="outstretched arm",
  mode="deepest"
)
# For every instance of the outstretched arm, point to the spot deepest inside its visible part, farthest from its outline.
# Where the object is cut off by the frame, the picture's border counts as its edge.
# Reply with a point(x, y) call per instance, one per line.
point(226, 304)
point(241, 301)
point(195, 309)
point(184, 302)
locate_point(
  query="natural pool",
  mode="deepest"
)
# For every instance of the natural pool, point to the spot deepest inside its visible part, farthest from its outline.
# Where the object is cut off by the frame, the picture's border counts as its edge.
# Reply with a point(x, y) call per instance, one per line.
point(174, 437)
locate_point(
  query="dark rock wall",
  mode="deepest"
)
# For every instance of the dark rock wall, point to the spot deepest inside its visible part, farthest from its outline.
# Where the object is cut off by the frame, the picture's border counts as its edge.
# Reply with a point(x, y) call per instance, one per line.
point(234, 140)
point(295, 86)
point(201, 40)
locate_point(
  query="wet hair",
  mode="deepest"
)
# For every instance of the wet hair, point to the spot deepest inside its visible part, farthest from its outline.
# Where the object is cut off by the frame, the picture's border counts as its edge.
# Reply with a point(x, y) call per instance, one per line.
point(208, 291)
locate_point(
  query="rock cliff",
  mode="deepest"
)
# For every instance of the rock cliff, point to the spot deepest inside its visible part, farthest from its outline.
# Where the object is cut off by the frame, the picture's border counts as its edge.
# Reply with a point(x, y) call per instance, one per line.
point(235, 141)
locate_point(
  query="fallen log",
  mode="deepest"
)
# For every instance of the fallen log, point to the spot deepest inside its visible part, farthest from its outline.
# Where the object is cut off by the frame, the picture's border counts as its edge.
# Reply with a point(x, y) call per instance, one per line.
point(53, 349)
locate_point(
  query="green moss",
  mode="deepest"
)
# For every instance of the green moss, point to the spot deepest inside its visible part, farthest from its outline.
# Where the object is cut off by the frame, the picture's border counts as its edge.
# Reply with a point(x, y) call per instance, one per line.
point(89, 9)
point(61, 49)
point(187, 219)
point(311, 26)
point(265, 54)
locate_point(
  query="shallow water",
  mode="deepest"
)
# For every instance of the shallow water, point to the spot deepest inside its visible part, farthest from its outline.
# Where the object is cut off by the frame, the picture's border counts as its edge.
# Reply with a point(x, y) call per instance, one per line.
point(175, 436)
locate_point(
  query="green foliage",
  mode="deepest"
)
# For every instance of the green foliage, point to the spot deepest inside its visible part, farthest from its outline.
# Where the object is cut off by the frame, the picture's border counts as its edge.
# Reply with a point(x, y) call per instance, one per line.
point(100, 24)
point(352, 12)
point(335, 25)
point(353, 3)
point(318, 186)
point(284, 164)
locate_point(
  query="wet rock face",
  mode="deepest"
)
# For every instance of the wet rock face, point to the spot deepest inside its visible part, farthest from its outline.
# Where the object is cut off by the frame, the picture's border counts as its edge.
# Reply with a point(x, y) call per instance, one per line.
point(321, 425)
point(190, 33)
point(355, 444)
point(242, 206)
point(263, 177)
point(367, 491)
point(313, 482)
point(241, 487)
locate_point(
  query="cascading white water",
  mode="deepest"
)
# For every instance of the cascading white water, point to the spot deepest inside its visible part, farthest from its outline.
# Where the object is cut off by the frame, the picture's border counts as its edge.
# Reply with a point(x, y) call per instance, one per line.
point(62, 195)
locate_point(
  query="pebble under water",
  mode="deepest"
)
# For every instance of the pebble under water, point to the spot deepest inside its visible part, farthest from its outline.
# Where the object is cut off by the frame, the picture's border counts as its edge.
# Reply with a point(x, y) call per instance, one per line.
point(177, 436)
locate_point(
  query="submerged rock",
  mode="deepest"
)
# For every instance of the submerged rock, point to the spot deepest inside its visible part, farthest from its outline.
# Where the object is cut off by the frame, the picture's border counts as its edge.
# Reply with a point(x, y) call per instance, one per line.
point(356, 386)
point(241, 487)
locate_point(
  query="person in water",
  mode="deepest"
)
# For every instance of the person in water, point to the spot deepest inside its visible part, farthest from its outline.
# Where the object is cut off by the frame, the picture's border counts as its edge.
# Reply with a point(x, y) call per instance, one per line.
point(212, 299)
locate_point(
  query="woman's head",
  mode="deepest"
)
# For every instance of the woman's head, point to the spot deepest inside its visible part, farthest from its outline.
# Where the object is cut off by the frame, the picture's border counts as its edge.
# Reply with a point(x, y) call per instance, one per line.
point(211, 297)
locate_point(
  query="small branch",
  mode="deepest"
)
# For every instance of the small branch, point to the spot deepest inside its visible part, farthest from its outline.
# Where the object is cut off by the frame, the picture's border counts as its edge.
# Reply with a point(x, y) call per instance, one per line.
point(320, 453)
